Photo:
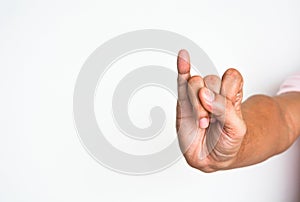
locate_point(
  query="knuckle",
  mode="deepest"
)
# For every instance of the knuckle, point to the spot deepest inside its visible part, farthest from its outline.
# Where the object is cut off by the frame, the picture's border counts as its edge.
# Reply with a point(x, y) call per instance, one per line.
point(195, 80)
point(202, 165)
point(207, 170)
point(212, 79)
point(190, 159)
point(194, 163)
point(234, 73)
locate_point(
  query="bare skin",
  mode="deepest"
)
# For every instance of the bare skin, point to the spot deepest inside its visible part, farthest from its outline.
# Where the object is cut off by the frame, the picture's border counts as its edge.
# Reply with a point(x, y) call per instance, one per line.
point(216, 131)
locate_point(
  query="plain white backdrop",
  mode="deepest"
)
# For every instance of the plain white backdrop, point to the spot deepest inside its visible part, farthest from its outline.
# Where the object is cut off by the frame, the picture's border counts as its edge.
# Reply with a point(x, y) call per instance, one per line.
point(43, 45)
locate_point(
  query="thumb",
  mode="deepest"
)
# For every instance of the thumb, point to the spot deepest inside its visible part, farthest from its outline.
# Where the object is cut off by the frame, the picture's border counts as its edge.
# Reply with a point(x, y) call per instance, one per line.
point(223, 110)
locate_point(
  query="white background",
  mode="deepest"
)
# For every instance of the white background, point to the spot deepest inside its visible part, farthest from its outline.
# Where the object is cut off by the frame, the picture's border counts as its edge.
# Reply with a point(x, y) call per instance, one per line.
point(43, 45)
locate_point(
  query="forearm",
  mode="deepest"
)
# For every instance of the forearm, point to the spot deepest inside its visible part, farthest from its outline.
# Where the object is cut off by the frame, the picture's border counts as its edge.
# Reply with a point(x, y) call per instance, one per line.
point(273, 124)
point(290, 104)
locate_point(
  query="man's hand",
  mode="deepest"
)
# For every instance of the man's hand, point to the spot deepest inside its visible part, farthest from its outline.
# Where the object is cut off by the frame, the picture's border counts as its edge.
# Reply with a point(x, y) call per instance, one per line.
point(209, 122)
